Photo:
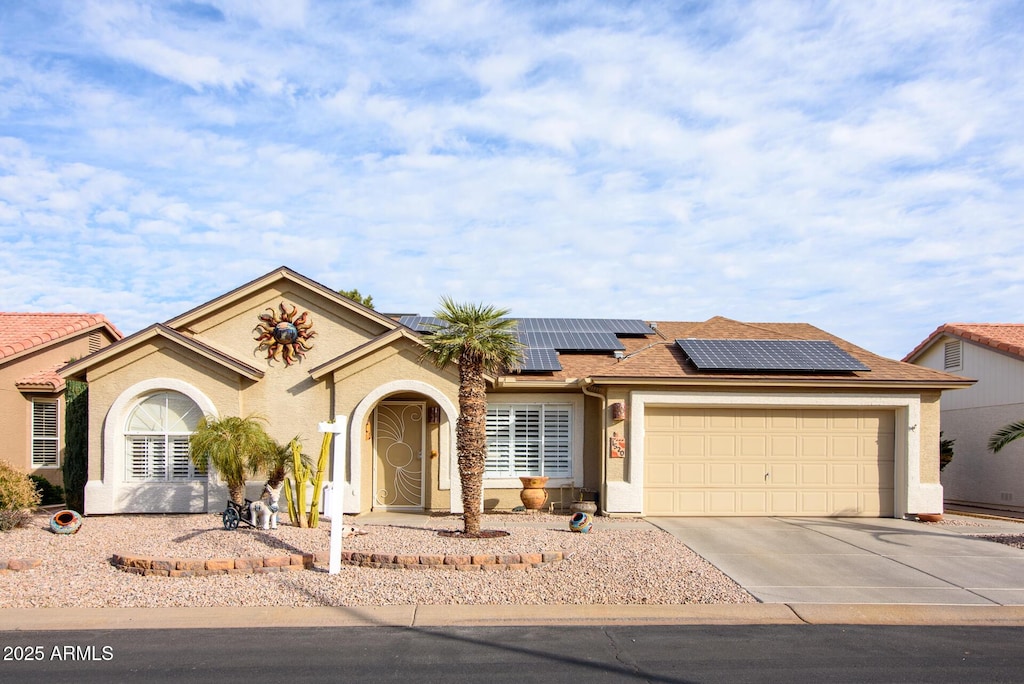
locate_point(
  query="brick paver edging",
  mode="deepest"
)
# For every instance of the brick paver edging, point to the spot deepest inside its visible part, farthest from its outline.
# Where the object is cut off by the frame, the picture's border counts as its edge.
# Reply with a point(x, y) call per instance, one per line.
point(19, 564)
point(193, 567)
point(190, 567)
point(398, 561)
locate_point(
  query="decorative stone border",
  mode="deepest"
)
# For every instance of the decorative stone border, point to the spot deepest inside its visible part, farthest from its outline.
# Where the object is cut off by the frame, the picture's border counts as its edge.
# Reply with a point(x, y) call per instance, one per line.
point(19, 564)
point(397, 561)
point(190, 567)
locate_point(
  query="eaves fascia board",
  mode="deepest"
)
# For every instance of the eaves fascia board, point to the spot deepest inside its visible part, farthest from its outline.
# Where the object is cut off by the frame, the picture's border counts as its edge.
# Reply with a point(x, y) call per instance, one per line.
point(363, 350)
point(849, 384)
point(76, 368)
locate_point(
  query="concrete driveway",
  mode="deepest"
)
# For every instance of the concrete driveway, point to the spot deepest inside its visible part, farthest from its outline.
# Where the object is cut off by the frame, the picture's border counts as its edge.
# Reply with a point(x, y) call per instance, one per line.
point(860, 560)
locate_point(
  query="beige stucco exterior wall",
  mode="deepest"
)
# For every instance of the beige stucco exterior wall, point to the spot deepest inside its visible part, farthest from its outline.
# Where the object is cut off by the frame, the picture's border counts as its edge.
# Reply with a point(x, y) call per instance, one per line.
point(16, 406)
point(930, 416)
point(157, 359)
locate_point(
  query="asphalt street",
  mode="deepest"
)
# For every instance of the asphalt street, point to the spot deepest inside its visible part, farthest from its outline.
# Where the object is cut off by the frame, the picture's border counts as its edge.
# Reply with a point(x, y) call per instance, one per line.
point(741, 653)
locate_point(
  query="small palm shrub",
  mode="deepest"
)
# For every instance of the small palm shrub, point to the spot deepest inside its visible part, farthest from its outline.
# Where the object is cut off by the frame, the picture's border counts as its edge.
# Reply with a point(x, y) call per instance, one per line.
point(18, 496)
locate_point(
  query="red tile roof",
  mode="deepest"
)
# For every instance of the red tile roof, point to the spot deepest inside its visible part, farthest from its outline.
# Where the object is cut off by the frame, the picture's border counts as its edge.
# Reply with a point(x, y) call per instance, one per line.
point(1006, 337)
point(46, 380)
point(20, 332)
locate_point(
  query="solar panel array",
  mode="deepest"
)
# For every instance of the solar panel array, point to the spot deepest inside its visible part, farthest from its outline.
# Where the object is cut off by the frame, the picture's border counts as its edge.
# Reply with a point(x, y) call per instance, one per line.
point(545, 337)
point(540, 360)
point(769, 355)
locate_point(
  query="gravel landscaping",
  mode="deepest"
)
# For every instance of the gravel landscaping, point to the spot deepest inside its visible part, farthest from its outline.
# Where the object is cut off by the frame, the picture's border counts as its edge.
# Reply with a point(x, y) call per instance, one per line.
point(613, 564)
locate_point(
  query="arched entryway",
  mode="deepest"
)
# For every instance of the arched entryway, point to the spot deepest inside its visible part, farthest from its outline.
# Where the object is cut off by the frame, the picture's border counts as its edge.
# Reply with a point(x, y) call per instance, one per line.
point(392, 418)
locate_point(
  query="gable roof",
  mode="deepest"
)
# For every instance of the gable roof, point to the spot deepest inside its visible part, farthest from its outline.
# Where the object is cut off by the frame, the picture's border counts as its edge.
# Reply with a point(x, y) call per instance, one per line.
point(657, 358)
point(219, 357)
point(1005, 337)
point(182, 321)
point(24, 332)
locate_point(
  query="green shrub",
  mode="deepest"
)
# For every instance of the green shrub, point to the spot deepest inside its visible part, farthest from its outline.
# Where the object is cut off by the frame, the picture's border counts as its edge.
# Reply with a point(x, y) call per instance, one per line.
point(76, 443)
point(18, 496)
point(48, 492)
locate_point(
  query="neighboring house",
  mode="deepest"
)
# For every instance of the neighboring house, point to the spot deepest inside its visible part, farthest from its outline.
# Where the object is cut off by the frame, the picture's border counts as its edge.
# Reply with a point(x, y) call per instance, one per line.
point(712, 418)
point(32, 347)
point(993, 354)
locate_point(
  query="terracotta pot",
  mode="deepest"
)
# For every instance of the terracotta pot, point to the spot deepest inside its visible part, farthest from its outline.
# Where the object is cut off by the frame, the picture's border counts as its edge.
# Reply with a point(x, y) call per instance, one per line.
point(533, 495)
point(589, 507)
point(929, 517)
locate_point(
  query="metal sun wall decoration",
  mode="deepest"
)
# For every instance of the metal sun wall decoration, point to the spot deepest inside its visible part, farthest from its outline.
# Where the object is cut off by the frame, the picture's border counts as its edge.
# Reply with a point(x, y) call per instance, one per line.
point(285, 336)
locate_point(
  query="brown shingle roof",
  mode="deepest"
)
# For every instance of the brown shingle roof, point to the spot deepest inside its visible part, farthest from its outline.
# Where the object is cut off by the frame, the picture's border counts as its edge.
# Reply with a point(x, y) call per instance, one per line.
point(1006, 337)
point(659, 357)
point(20, 332)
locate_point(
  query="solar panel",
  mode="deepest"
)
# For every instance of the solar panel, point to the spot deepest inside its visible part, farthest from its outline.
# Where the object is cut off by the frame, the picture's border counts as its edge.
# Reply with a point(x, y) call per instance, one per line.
point(769, 355)
point(571, 341)
point(420, 323)
point(540, 359)
point(615, 326)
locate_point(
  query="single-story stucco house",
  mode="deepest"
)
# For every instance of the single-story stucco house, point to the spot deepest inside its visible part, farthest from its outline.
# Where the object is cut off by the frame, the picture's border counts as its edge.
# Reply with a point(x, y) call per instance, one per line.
point(32, 347)
point(711, 418)
point(992, 354)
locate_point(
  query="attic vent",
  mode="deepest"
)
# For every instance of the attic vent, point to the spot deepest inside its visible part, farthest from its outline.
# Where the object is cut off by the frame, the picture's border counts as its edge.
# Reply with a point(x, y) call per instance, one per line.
point(953, 355)
point(94, 341)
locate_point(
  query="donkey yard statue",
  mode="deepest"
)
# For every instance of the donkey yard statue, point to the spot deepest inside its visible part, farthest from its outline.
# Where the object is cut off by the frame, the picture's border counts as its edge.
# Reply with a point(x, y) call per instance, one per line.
point(263, 511)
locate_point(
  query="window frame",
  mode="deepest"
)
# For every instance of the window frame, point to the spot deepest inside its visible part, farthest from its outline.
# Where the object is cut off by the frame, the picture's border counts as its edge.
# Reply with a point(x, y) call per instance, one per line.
point(160, 447)
point(37, 439)
point(573, 437)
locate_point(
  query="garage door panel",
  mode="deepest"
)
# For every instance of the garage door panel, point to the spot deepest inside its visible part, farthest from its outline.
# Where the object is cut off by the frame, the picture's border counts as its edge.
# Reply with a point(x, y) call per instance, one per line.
point(722, 447)
point(813, 447)
point(819, 462)
point(722, 502)
point(782, 474)
point(814, 503)
point(753, 503)
point(752, 474)
point(722, 474)
point(813, 474)
point(782, 447)
point(690, 474)
point(753, 446)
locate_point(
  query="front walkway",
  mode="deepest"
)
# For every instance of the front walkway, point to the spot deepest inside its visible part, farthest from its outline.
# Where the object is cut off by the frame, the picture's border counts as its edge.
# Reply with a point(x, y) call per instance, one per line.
point(861, 560)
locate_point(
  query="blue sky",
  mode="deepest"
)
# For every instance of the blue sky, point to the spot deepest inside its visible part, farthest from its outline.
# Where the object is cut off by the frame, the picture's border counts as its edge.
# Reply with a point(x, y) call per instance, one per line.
point(855, 165)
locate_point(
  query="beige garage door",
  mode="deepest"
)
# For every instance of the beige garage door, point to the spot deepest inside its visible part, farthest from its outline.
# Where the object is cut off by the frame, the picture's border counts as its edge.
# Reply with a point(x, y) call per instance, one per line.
point(768, 462)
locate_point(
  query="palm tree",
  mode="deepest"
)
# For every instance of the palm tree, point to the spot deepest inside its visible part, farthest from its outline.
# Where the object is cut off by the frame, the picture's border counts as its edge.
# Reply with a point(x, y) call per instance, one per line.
point(480, 340)
point(236, 447)
point(1005, 435)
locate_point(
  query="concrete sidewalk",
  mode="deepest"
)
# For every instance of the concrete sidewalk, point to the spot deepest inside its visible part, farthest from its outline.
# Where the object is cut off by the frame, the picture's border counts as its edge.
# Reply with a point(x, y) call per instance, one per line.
point(861, 560)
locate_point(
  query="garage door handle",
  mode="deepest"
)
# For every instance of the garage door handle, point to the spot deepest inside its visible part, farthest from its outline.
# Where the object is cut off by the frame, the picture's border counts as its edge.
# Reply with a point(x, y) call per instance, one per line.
point(766, 476)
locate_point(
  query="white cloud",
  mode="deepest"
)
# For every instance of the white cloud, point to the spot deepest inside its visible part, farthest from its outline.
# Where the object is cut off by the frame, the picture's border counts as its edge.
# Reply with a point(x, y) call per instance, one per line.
point(843, 164)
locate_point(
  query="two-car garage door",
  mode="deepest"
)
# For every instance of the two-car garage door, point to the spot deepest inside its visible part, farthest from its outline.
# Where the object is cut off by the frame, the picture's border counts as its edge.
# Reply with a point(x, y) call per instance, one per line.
point(778, 462)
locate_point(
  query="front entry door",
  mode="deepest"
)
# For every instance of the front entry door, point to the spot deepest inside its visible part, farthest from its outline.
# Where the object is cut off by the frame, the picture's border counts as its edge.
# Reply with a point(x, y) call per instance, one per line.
point(398, 455)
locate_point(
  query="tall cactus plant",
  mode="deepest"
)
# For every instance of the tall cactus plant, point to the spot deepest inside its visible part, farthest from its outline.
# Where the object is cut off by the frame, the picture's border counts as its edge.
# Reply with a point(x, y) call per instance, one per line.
point(296, 486)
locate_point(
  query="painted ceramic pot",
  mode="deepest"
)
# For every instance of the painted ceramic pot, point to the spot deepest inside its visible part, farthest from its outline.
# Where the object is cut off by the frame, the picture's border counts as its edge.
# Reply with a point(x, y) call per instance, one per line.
point(581, 522)
point(65, 522)
point(533, 495)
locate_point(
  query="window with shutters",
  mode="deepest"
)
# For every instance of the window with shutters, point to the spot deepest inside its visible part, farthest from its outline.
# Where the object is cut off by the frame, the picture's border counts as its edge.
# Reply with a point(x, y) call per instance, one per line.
point(529, 439)
point(45, 435)
point(953, 355)
point(157, 439)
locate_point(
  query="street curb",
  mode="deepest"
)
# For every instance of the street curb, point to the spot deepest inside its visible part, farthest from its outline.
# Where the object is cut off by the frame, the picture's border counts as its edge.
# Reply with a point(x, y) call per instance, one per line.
point(428, 616)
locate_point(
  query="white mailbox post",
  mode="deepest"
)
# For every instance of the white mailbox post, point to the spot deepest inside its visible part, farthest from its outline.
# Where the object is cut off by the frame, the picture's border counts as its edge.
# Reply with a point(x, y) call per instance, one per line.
point(338, 485)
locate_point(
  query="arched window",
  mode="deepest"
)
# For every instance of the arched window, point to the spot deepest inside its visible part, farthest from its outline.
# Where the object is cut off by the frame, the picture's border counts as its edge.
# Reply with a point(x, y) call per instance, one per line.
point(157, 439)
